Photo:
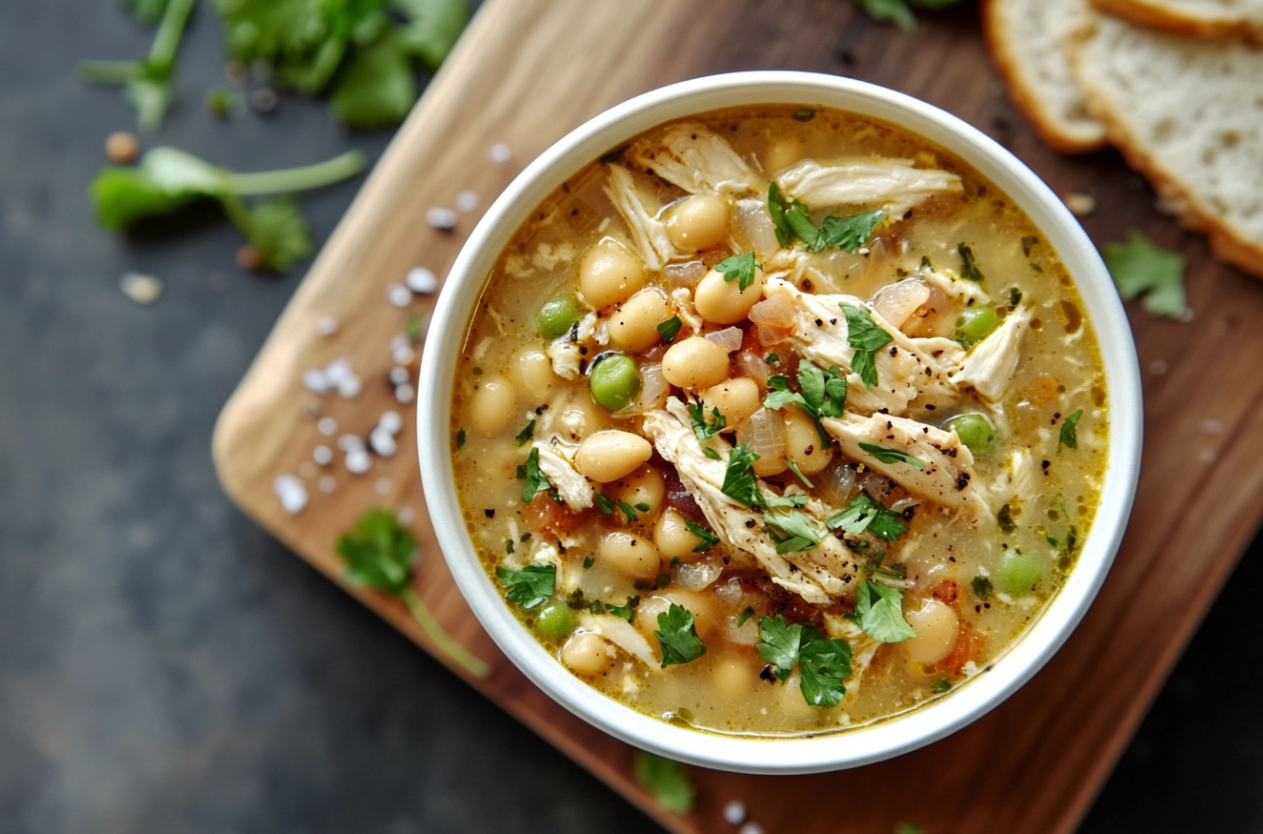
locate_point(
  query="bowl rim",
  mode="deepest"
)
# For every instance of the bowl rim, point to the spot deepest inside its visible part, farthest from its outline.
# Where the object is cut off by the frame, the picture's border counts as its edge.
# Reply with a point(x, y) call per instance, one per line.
point(827, 751)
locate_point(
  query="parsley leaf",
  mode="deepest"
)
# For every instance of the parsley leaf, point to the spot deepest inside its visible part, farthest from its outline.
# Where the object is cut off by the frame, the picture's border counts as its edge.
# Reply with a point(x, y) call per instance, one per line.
point(739, 482)
point(824, 665)
point(536, 480)
point(746, 613)
point(701, 428)
point(625, 610)
point(1069, 435)
point(708, 538)
point(739, 268)
point(968, 266)
point(778, 644)
point(460, 439)
point(275, 228)
point(982, 587)
point(777, 501)
point(801, 532)
point(879, 611)
point(677, 635)
point(798, 473)
point(866, 513)
point(667, 780)
point(376, 87)
point(525, 435)
point(850, 233)
point(823, 393)
point(892, 455)
point(669, 329)
point(529, 586)
point(864, 334)
point(630, 511)
point(1140, 268)
point(792, 220)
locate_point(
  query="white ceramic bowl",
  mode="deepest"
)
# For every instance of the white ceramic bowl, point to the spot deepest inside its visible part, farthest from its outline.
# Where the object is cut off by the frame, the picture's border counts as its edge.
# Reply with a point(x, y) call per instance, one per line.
point(830, 751)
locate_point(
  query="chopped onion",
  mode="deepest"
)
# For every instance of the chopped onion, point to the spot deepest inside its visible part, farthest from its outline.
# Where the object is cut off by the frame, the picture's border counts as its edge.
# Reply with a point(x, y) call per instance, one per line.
point(770, 336)
point(653, 388)
point(774, 311)
point(754, 366)
point(746, 634)
point(896, 302)
point(753, 229)
point(730, 591)
point(764, 433)
point(684, 275)
point(836, 484)
point(696, 576)
point(729, 338)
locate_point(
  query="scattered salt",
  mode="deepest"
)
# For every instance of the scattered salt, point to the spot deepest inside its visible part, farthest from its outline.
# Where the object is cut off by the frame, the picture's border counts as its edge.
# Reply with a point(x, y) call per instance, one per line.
point(404, 355)
point(1212, 426)
point(399, 375)
point(338, 370)
point(467, 200)
point(422, 280)
point(405, 394)
point(328, 483)
point(735, 812)
point(382, 486)
point(326, 325)
point(349, 388)
point(383, 442)
point(500, 153)
point(357, 461)
point(322, 455)
point(316, 381)
point(750, 828)
point(143, 289)
point(347, 442)
point(441, 218)
point(1208, 456)
point(391, 422)
point(1157, 367)
point(292, 493)
point(327, 426)
point(406, 515)
point(306, 469)
point(398, 342)
point(1080, 205)
point(399, 295)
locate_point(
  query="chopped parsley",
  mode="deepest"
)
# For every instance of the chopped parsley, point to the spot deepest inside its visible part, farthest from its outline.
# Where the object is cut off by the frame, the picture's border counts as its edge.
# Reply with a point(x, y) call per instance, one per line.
point(892, 455)
point(710, 453)
point(982, 587)
point(866, 513)
point(823, 391)
point(1004, 519)
point(414, 328)
point(968, 266)
point(746, 613)
point(626, 610)
point(879, 611)
point(823, 664)
point(942, 685)
point(1139, 268)
point(798, 473)
point(529, 586)
point(525, 435)
point(739, 482)
point(850, 233)
point(739, 268)
point(669, 329)
point(799, 531)
point(460, 439)
point(536, 480)
point(708, 539)
point(806, 114)
point(772, 359)
point(703, 428)
point(1069, 431)
point(792, 221)
point(588, 562)
point(863, 334)
point(677, 635)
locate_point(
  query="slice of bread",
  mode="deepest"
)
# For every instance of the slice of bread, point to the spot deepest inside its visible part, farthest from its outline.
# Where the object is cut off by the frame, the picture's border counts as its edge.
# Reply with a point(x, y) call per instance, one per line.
point(1029, 42)
point(1188, 114)
point(1210, 19)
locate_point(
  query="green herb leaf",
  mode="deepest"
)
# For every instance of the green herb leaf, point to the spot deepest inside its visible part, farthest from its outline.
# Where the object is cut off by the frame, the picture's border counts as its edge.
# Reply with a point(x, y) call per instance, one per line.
point(823, 665)
point(773, 502)
point(850, 233)
point(968, 266)
point(801, 531)
point(536, 480)
point(630, 511)
point(864, 334)
point(778, 644)
point(942, 685)
point(889, 11)
point(1069, 435)
point(525, 435)
point(892, 455)
point(379, 552)
point(791, 221)
point(710, 453)
point(701, 428)
point(433, 27)
point(604, 504)
point(667, 780)
point(529, 586)
point(866, 513)
point(626, 610)
point(879, 612)
point(739, 268)
point(739, 481)
point(677, 635)
point(1140, 268)
point(460, 439)
point(708, 538)
point(275, 228)
point(1004, 519)
point(746, 613)
point(772, 359)
point(376, 87)
point(798, 473)
point(982, 587)
point(669, 329)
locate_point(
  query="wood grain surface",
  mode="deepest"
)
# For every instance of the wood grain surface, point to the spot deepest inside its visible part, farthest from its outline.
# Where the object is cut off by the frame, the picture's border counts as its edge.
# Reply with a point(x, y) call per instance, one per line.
point(526, 72)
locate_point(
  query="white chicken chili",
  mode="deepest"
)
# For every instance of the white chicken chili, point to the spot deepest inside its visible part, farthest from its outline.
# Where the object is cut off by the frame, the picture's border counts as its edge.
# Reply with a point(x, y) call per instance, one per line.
point(778, 421)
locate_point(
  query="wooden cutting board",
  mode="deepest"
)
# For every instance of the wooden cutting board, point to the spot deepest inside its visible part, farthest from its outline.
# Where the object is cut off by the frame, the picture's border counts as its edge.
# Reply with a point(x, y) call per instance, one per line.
point(526, 72)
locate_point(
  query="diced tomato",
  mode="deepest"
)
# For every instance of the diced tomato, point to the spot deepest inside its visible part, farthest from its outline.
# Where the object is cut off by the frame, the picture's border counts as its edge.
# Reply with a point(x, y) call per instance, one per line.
point(544, 514)
point(947, 592)
point(969, 646)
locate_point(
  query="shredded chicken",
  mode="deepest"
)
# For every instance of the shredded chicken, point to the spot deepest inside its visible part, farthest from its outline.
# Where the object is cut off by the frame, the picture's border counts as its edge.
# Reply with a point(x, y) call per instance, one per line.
point(863, 648)
point(946, 476)
point(820, 575)
point(989, 368)
point(1017, 482)
point(573, 488)
point(905, 373)
point(892, 185)
point(682, 300)
point(695, 158)
point(565, 352)
point(965, 293)
point(648, 234)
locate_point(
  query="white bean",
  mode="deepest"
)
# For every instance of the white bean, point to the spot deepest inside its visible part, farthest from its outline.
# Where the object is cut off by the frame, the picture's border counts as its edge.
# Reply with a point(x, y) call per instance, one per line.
point(493, 405)
point(724, 302)
point(644, 487)
point(534, 371)
point(698, 222)
point(588, 654)
point(634, 325)
point(609, 272)
point(673, 537)
point(803, 443)
point(695, 362)
point(629, 554)
point(736, 399)
point(612, 454)
point(937, 626)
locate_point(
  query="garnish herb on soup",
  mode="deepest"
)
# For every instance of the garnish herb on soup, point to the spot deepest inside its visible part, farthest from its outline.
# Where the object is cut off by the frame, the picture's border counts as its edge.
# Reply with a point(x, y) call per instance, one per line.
point(777, 421)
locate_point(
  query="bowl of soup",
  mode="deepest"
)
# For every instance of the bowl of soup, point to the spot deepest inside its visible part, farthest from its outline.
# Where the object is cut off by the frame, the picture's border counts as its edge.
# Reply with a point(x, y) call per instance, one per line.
point(778, 422)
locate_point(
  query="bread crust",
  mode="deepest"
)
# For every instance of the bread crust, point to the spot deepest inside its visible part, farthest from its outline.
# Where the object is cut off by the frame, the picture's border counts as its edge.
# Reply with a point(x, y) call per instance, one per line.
point(1026, 98)
point(1226, 243)
point(1154, 14)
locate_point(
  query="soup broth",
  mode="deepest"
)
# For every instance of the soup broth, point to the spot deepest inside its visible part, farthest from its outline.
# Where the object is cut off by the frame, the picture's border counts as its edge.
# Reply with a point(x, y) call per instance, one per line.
point(777, 421)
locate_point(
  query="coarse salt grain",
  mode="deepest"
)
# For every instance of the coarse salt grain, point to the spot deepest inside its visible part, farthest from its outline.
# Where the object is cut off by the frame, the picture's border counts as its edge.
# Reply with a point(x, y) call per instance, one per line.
point(1212, 426)
point(404, 355)
point(467, 200)
point(327, 426)
point(399, 342)
point(399, 295)
point(347, 442)
point(306, 469)
point(382, 486)
point(750, 828)
point(338, 370)
point(441, 218)
point(349, 388)
point(1080, 205)
point(328, 483)
point(383, 442)
point(316, 381)
point(322, 455)
point(422, 280)
point(391, 422)
point(405, 394)
point(500, 153)
point(357, 461)
point(406, 515)
point(291, 492)
point(735, 812)
point(399, 375)
point(143, 289)
point(1157, 367)
point(326, 325)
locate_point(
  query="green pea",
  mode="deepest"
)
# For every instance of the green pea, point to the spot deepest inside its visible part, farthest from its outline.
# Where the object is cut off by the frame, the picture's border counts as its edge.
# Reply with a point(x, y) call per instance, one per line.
point(974, 430)
point(1017, 573)
point(973, 325)
point(614, 381)
point(556, 317)
point(553, 619)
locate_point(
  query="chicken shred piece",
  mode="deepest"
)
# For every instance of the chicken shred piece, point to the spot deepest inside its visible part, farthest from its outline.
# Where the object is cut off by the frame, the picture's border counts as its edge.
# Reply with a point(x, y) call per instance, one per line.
point(964, 293)
point(989, 368)
point(649, 235)
point(695, 158)
point(863, 648)
point(622, 634)
point(573, 488)
point(947, 476)
point(821, 575)
point(892, 185)
point(906, 374)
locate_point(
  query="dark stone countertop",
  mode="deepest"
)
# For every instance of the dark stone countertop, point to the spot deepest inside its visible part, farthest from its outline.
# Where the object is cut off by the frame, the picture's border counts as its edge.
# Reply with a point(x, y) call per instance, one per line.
point(165, 666)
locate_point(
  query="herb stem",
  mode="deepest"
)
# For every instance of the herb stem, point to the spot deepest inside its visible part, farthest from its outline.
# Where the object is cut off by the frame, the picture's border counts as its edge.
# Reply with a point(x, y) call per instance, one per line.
point(444, 641)
point(107, 72)
point(303, 178)
point(170, 31)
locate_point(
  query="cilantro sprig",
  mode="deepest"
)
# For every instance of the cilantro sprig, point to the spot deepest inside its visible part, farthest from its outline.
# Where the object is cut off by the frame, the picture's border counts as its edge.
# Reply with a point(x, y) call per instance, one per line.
point(1140, 268)
point(677, 635)
point(1069, 435)
point(708, 538)
point(382, 554)
point(886, 455)
point(536, 480)
point(667, 780)
point(824, 664)
point(879, 612)
point(529, 586)
point(867, 337)
point(865, 513)
point(793, 222)
point(798, 531)
point(703, 428)
point(739, 268)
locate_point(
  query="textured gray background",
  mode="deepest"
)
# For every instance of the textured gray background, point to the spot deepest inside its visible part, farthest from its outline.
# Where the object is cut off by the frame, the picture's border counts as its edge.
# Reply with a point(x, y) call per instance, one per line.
point(164, 665)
